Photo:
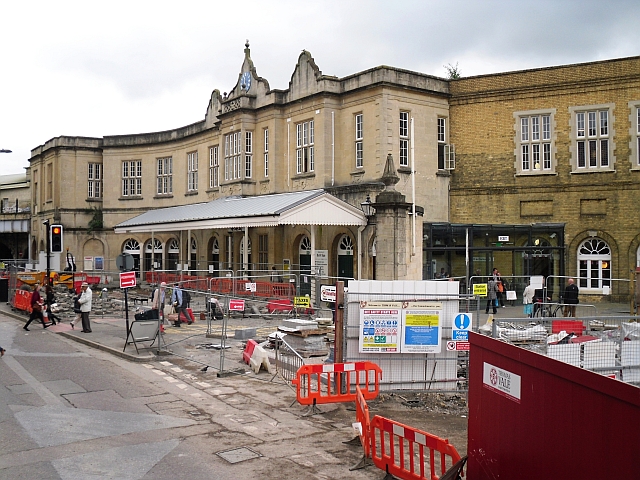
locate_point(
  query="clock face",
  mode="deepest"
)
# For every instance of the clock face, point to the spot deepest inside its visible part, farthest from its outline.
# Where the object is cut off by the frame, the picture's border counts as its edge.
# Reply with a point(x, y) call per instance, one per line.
point(246, 81)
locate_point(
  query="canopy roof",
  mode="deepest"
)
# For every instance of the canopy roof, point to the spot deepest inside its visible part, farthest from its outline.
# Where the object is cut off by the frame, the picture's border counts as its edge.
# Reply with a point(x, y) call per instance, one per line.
point(312, 207)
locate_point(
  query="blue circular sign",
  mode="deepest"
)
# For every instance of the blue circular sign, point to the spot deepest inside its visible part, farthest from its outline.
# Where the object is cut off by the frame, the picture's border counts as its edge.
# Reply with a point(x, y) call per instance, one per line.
point(462, 321)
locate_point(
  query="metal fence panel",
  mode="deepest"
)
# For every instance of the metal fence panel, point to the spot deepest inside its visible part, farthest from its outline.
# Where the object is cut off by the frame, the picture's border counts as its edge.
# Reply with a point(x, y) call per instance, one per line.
point(445, 371)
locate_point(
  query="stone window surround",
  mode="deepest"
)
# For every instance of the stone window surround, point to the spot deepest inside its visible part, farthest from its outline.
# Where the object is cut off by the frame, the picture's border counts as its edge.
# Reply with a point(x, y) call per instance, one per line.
point(517, 141)
point(634, 135)
point(573, 138)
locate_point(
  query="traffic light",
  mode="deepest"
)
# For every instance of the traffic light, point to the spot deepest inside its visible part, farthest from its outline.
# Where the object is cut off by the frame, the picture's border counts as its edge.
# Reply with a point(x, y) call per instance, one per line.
point(56, 239)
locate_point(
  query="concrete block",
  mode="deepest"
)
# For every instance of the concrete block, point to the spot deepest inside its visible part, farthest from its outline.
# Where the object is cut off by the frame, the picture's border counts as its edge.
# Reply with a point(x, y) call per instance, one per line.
point(245, 333)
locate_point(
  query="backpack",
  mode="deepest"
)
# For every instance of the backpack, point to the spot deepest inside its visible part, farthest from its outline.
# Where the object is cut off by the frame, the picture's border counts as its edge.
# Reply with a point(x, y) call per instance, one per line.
point(186, 298)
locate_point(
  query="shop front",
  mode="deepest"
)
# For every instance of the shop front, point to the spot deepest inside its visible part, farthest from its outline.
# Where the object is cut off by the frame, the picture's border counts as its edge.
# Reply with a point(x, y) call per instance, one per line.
point(469, 253)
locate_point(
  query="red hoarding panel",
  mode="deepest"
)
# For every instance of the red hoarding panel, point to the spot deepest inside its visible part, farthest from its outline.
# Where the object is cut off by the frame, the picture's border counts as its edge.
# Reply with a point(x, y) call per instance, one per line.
point(533, 417)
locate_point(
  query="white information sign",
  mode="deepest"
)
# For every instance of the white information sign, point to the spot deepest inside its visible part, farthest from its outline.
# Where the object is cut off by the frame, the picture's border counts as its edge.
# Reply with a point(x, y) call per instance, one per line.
point(379, 327)
point(250, 286)
point(322, 262)
point(503, 382)
point(421, 327)
point(328, 293)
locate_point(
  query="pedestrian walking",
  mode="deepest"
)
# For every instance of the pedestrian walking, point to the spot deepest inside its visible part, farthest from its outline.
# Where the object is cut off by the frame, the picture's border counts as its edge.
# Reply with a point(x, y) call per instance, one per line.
point(85, 306)
point(527, 300)
point(50, 300)
point(77, 311)
point(36, 308)
point(492, 298)
point(159, 301)
point(180, 302)
point(570, 298)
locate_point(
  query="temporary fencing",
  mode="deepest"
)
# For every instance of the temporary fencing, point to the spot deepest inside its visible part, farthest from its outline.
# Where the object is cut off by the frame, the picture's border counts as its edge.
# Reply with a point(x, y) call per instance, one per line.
point(22, 301)
point(408, 453)
point(363, 422)
point(288, 361)
point(609, 345)
point(336, 383)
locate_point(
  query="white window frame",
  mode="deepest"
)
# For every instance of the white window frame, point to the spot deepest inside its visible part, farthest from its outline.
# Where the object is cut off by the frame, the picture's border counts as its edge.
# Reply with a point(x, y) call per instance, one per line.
point(248, 154)
point(131, 178)
point(305, 161)
point(232, 156)
point(596, 262)
point(404, 138)
point(164, 175)
point(634, 134)
point(592, 135)
point(441, 137)
point(94, 180)
point(535, 142)
point(214, 167)
point(192, 171)
point(266, 152)
point(359, 136)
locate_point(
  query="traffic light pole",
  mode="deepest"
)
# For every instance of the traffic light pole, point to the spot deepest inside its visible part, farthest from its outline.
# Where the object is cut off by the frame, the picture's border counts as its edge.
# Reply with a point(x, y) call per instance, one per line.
point(48, 242)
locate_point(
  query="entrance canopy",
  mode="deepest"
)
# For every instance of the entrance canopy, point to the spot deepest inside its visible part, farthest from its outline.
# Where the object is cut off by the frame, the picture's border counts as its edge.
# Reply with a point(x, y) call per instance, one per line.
point(313, 207)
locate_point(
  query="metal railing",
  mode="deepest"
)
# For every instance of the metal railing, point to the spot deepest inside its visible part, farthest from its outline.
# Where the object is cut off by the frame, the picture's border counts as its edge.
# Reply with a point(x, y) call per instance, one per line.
point(609, 345)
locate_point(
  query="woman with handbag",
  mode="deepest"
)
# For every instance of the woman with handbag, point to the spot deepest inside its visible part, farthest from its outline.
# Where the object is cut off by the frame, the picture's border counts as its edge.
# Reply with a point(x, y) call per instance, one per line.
point(36, 308)
point(50, 300)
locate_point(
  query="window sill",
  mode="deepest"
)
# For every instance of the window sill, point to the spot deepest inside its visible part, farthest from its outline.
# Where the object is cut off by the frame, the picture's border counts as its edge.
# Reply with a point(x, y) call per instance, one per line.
point(170, 195)
point(405, 170)
point(541, 173)
point(248, 181)
point(304, 175)
point(355, 173)
point(266, 180)
point(191, 193)
point(92, 199)
point(592, 170)
point(441, 172)
point(131, 197)
point(213, 190)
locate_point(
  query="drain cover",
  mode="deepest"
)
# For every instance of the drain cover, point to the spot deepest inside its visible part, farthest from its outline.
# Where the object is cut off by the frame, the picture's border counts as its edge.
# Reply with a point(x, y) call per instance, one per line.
point(238, 455)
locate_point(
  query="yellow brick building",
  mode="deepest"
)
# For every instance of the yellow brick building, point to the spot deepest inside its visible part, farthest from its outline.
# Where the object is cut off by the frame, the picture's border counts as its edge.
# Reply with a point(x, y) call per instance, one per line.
point(548, 171)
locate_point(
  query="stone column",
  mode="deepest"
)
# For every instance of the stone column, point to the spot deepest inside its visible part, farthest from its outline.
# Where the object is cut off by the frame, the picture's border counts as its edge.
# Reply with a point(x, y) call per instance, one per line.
point(391, 228)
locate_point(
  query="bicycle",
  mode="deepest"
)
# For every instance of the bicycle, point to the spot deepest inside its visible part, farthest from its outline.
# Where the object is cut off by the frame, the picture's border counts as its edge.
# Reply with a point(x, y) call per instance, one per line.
point(547, 309)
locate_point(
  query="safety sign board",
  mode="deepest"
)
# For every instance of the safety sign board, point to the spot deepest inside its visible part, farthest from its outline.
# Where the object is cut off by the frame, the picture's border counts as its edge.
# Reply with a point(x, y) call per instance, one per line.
point(236, 305)
point(480, 289)
point(457, 346)
point(460, 328)
point(302, 302)
point(328, 293)
point(127, 279)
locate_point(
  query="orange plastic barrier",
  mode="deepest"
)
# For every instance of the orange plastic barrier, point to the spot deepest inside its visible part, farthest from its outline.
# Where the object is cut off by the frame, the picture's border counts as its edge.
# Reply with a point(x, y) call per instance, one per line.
point(362, 417)
point(335, 383)
point(420, 462)
point(22, 300)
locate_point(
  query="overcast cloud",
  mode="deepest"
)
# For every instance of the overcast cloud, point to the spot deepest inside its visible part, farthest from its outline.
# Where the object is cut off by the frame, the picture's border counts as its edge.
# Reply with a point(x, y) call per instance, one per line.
point(106, 68)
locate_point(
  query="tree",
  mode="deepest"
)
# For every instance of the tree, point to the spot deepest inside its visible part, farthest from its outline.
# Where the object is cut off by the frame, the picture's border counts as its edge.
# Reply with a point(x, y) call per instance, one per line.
point(453, 72)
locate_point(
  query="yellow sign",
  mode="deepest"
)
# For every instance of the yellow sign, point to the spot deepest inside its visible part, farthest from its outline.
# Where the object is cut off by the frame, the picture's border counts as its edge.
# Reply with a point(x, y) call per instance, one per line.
point(480, 289)
point(302, 302)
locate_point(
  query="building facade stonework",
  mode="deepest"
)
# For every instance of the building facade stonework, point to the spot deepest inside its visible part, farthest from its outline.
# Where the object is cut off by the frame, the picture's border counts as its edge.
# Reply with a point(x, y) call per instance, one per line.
point(323, 132)
point(532, 172)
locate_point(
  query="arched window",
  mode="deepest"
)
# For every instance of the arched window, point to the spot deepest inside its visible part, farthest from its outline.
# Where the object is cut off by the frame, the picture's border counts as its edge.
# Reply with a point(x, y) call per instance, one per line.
point(346, 246)
point(131, 246)
point(173, 254)
point(305, 246)
point(594, 264)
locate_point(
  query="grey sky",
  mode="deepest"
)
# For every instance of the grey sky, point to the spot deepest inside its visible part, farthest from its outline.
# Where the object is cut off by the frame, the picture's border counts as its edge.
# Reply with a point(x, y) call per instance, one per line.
point(105, 68)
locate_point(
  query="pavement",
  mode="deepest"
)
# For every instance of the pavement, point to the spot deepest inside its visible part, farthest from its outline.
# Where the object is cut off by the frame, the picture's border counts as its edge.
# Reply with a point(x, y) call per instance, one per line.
point(198, 342)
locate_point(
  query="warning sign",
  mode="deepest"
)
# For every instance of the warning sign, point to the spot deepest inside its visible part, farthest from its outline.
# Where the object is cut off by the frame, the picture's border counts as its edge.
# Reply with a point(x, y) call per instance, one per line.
point(457, 346)
point(480, 289)
point(302, 302)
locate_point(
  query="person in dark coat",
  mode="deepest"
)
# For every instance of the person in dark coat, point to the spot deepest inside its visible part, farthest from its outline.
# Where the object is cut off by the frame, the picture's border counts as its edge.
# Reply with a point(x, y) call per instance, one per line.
point(570, 298)
point(50, 300)
point(36, 308)
point(492, 290)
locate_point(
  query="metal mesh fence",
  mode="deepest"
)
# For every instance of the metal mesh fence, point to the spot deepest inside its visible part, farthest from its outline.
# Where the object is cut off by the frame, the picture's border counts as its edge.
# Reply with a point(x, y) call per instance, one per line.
point(609, 345)
point(444, 371)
